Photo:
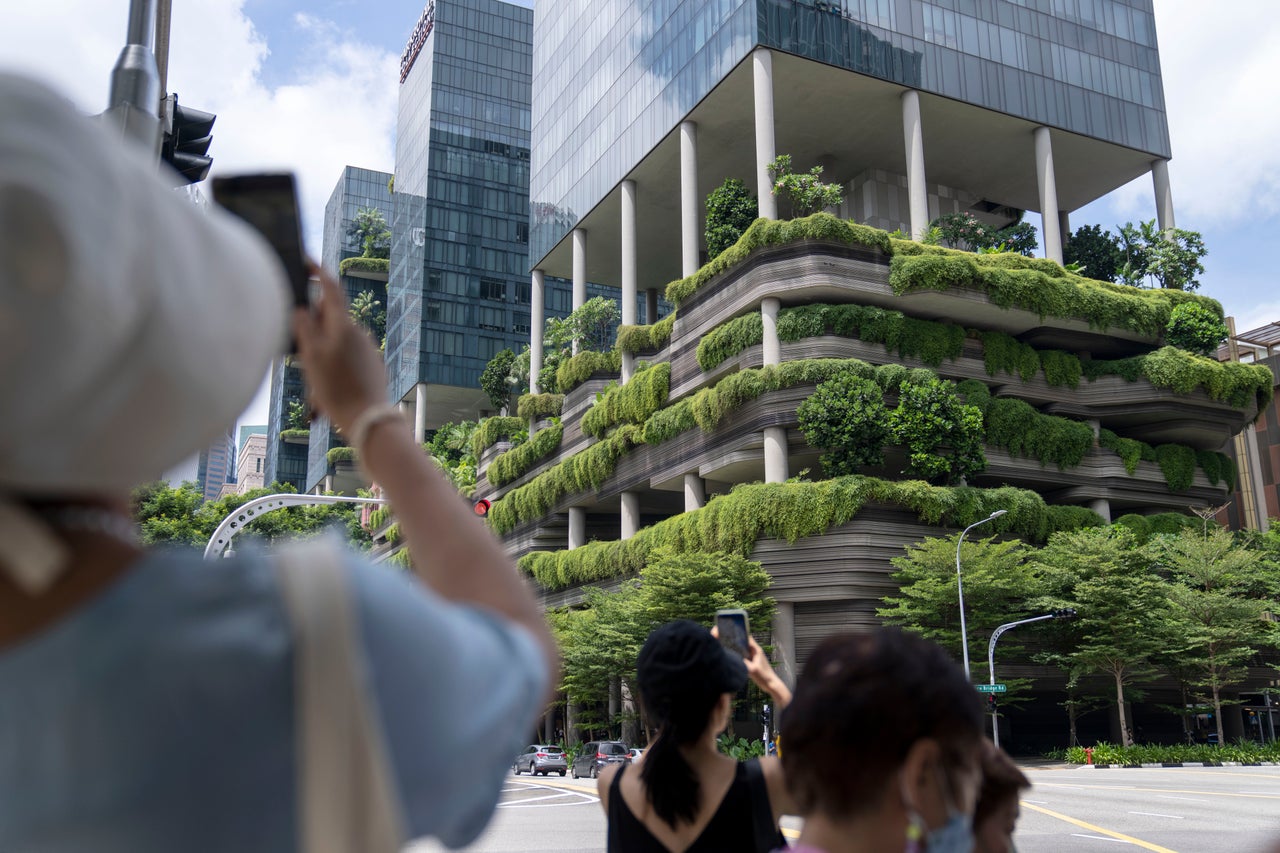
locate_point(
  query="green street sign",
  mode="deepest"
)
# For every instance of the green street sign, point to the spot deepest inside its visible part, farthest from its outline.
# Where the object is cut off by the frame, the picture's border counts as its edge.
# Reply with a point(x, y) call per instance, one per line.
point(990, 688)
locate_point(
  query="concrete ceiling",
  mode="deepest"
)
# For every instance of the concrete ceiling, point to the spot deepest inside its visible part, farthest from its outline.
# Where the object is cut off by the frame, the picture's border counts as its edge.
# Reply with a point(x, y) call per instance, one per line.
point(847, 123)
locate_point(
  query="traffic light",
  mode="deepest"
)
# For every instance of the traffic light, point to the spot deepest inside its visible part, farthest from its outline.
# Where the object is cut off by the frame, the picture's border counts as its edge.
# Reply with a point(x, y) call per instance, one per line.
point(481, 507)
point(186, 141)
point(1065, 613)
point(991, 703)
point(766, 716)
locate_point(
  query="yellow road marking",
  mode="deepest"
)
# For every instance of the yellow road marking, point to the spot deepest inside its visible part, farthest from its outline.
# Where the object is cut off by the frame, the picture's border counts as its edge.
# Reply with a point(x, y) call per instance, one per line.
point(1119, 836)
point(1160, 791)
point(793, 834)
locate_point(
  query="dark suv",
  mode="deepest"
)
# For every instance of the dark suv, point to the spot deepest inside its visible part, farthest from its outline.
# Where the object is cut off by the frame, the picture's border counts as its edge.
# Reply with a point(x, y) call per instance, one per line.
point(599, 754)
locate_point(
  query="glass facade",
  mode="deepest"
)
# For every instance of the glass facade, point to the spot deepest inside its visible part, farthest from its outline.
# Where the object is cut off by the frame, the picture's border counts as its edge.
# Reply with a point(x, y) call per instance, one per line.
point(286, 462)
point(357, 189)
point(1087, 66)
point(459, 288)
point(614, 77)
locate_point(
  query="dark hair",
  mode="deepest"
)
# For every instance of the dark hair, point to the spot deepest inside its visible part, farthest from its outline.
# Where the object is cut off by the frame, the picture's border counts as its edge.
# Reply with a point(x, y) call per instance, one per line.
point(862, 701)
point(1001, 780)
point(682, 671)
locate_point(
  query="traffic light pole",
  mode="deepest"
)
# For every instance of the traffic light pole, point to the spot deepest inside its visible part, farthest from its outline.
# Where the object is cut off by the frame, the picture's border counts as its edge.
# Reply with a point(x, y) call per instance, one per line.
point(991, 657)
point(134, 99)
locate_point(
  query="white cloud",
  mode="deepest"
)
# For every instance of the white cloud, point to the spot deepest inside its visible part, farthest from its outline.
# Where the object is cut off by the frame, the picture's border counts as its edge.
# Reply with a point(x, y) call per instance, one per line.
point(1219, 79)
point(337, 108)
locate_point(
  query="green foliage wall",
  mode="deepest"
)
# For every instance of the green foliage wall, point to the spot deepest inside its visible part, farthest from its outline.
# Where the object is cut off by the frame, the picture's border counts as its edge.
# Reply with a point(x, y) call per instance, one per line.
point(574, 371)
point(636, 339)
point(633, 402)
point(733, 523)
point(513, 464)
point(491, 430)
point(532, 406)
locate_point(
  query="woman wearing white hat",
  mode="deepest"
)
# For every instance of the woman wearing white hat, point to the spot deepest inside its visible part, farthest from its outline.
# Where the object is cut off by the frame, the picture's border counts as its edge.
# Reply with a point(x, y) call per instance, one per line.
point(150, 701)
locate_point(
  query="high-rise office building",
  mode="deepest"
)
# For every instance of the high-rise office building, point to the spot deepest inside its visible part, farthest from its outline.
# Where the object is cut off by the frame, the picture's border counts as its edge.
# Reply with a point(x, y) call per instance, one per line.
point(357, 190)
point(459, 290)
point(217, 465)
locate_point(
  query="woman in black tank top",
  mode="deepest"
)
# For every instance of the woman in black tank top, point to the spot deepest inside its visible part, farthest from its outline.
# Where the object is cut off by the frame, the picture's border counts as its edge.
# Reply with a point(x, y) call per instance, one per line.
point(684, 794)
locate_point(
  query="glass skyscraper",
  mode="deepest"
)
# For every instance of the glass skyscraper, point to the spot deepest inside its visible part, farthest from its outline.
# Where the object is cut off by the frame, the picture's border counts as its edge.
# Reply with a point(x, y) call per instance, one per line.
point(459, 289)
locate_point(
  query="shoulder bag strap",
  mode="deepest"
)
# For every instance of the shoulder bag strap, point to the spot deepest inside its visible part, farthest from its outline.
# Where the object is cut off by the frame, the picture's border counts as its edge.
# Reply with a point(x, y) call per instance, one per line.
point(347, 801)
point(767, 834)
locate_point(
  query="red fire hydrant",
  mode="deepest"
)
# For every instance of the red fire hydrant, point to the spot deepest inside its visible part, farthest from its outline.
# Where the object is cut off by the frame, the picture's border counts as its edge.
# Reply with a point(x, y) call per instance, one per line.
point(1088, 755)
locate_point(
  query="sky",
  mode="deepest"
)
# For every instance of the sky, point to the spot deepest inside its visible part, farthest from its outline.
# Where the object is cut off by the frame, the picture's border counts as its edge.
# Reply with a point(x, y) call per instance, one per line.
point(312, 87)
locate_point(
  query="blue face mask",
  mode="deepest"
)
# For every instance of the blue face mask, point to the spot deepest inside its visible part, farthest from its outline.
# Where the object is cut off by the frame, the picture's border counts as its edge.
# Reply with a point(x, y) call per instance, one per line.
point(954, 836)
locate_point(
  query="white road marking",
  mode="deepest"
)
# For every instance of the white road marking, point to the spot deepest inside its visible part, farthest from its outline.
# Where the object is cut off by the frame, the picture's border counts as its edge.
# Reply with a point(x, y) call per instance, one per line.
point(1037, 802)
point(1157, 814)
point(1097, 837)
point(1188, 799)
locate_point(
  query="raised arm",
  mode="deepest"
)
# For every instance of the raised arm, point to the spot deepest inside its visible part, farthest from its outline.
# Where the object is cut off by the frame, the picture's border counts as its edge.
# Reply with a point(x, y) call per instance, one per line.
point(453, 552)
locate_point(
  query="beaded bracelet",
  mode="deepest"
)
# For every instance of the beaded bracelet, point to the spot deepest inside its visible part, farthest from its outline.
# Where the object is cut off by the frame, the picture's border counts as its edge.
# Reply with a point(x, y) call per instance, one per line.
point(365, 421)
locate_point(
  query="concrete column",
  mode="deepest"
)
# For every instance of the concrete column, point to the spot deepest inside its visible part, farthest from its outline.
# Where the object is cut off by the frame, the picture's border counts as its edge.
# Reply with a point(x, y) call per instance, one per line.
point(628, 270)
point(769, 316)
point(762, 76)
point(775, 454)
point(1164, 196)
point(651, 305)
point(1064, 227)
point(630, 514)
point(913, 139)
point(1102, 507)
point(1048, 195)
point(579, 272)
point(403, 406)
point(537, 301)
point(695, 492)
point(784, 641)
point(577, 527)
point(690, 221)
point(420, 413)
point(328, 484)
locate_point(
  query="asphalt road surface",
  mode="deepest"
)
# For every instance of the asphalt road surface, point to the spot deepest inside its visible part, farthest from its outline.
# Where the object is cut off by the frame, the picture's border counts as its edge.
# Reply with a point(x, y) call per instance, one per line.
point(1165, 810)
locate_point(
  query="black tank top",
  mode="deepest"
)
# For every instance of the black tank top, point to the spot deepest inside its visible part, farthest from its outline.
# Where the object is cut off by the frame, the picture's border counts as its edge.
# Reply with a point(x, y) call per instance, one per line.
point(742, 822)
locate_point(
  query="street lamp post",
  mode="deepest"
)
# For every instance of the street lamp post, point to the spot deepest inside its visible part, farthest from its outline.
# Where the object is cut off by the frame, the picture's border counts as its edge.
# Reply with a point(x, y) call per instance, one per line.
point(1065, 613)
point(964, 634)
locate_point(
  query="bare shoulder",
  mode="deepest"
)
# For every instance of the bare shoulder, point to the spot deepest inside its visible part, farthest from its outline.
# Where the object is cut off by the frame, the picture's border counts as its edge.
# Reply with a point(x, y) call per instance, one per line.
point(603, 781)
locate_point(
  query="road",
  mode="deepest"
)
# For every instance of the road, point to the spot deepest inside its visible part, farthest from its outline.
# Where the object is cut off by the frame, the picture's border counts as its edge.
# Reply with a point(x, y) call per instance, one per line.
point(1165, 810)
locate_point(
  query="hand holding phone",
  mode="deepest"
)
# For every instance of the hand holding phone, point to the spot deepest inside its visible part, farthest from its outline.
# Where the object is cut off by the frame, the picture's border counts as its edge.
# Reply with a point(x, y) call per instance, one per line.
point(733, 630)
point(269, 202)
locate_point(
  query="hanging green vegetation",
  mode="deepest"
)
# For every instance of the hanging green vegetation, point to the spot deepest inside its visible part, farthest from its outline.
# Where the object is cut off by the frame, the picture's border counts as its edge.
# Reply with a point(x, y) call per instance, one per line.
point(1130, 451)
point(532, 406)
point(729, 339)
point(586, 470)
point(1232, 382)
point(637, 339)
point(490, 430)
point(340, 454)
point(574, 371)
point(1178, 464)
point(769, 232)
point(734, 522)
point(1061, 369)
point(513, 464)
point(1001, 352)
point(379, 517)
point(633, 402)
point(401, 559)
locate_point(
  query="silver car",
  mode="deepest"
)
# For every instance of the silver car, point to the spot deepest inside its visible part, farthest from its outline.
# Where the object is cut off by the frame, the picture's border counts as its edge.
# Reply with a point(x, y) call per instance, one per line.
point(541, 758)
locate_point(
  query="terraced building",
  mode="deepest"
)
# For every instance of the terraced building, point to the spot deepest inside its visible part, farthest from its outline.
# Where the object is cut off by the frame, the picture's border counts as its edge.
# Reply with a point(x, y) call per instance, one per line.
point(689, 439)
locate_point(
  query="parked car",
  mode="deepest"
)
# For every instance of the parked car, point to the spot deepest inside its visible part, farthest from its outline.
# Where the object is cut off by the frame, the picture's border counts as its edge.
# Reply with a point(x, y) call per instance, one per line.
point(636, 754)
point(599, 754)
point(541, 758)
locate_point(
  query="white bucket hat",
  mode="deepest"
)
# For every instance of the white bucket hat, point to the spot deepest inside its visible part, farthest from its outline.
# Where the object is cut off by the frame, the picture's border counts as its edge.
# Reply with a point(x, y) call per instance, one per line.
point(134, 325)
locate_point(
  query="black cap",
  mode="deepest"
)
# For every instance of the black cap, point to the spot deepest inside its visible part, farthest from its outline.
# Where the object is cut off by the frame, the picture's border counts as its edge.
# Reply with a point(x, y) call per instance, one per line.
point(682, 657)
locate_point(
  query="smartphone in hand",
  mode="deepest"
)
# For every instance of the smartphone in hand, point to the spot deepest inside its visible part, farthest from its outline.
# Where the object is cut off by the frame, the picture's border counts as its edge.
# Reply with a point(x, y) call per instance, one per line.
point(733, 628)
point(269, 202)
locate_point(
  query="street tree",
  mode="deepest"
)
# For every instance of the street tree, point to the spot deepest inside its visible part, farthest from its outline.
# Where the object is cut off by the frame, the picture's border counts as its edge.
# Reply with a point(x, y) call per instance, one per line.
point(731, 208)
point(1215, 593)
point(1122, 607)
point(996, 577)
point(1097, 252)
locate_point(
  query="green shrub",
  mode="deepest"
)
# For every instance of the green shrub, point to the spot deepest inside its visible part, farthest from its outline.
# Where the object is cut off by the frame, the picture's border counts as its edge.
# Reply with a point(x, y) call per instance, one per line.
point(767, 232)
point(1236, 384)
point(847, 418)
point(1060, 368)
point(1129, 450)
point(733, 523)
point(392, 534)
point(340, 454)
point(373, 265)
point(401, 559)
point(942, 434)
point(1195, 328)
point(294, 434)
point(633, 402)
point(513, 464)
point(490, 430)
point(574, 371)
point(1001, 352)
point(533, 406)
